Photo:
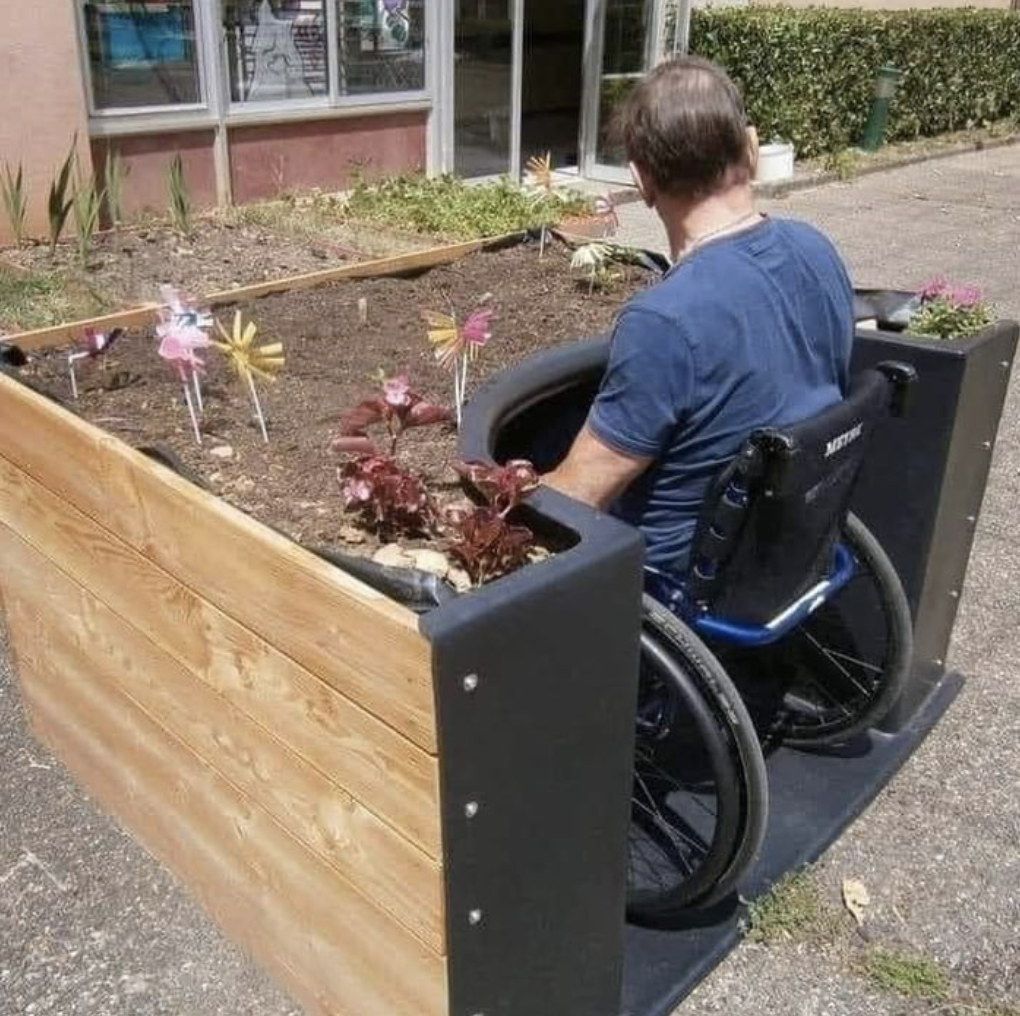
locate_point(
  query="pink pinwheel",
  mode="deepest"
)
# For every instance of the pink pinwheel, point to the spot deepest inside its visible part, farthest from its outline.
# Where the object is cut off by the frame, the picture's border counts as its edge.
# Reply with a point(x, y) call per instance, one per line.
point(457, 345)
point(179, 345)
point(96, 345)
point(605, 211)
point(180, 309)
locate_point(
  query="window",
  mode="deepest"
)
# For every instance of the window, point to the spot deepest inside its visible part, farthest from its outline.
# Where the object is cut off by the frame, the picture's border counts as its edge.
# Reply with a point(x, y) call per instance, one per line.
point(381, 46)
point(142, 53)
point(276, 50)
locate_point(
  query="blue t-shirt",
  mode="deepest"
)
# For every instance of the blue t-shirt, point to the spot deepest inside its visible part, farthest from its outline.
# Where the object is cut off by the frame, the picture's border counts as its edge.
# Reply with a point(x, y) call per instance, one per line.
point(753, 329)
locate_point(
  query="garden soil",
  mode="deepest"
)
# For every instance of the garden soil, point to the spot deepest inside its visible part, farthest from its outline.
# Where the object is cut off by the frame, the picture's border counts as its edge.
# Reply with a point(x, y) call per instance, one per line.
point(332, 361)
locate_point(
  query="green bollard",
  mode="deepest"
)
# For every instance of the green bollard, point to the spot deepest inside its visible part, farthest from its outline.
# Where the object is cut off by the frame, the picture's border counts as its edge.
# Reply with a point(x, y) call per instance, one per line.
point(885, 88)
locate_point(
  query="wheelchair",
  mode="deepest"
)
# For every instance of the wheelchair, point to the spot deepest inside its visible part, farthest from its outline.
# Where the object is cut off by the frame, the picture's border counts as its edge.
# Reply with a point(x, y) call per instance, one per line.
point(788, 627)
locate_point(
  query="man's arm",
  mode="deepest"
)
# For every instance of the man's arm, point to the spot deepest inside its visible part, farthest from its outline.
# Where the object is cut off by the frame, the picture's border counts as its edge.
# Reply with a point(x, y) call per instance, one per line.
point(594, 473)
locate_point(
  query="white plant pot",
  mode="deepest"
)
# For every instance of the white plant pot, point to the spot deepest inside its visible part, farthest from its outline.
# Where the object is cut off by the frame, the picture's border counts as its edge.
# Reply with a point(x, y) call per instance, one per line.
point(775, 162)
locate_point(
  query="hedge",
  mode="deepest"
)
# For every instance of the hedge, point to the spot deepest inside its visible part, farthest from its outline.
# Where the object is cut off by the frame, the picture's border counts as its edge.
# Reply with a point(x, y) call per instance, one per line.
point(808, 73)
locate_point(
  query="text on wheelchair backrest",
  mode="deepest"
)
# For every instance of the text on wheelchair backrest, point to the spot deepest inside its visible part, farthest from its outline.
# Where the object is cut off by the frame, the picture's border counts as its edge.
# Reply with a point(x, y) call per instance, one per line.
point(843, 440)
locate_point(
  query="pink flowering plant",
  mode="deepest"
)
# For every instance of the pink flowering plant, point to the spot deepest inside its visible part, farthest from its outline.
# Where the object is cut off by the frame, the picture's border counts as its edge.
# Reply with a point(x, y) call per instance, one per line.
point(387, 498)
point(947, 311)
point(396, 409)
point(481, 538)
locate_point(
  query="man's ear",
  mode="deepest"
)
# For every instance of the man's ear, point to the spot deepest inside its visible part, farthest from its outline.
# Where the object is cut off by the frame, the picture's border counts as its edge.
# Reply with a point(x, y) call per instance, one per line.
point(643, 183)
point(752, 150)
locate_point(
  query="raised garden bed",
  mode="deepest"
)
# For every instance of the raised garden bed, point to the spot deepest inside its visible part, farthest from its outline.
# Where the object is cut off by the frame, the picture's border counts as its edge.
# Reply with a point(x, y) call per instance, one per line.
point(351, 791)
point(290, 482)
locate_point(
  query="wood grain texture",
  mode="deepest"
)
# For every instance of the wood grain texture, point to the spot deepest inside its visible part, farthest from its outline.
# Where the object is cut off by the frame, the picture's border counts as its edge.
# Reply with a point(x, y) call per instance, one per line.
point(85, 638)
point(330, 947)
point(360, 642)
point(387, 773)
point(60, 335)
point(414, 261)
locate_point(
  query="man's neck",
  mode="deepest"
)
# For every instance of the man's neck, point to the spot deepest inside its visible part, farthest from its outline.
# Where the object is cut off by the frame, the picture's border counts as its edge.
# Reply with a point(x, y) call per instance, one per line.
point(687, 223)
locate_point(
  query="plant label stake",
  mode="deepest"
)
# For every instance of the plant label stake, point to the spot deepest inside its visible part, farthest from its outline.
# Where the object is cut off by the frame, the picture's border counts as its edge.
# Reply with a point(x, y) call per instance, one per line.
point(249, 360)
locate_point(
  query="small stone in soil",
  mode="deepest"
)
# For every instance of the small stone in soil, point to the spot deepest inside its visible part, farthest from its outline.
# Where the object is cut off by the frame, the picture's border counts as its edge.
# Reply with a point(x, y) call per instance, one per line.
point(392, 555)
point(430, 561)
point(222, 451)
point(459, 579)
point(351, 534)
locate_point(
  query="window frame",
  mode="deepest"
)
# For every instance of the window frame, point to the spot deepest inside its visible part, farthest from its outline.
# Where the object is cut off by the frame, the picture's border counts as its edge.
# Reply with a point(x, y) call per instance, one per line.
point(199, 13)
point(218, 109)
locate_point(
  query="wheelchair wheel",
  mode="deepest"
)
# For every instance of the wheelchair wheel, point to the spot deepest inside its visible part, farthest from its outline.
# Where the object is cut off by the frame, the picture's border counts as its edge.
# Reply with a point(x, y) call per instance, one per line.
point(699, 802)
point(846, 665)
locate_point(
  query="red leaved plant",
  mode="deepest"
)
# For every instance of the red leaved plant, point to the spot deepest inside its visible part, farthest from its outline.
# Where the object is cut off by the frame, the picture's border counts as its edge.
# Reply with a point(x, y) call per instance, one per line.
point(388, 498)
point(398, 407)
point(481, 539)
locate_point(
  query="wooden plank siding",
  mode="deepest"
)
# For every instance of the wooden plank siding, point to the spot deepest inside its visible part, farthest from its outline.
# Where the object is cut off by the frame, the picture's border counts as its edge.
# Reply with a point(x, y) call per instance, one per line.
point(393, 777)
point(360, 642)
point(92, 644)
point(328, 945)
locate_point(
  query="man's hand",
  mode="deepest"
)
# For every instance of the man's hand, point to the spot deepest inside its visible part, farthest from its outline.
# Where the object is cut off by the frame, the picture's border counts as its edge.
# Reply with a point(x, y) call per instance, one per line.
point(594, 473)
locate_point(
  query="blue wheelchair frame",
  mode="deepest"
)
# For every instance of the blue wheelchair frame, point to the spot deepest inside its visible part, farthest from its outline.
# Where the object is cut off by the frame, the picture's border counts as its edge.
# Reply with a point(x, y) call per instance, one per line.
point(672, 594)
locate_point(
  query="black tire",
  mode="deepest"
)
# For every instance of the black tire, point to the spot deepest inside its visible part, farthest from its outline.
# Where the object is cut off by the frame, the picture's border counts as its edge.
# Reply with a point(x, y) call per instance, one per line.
point(699, 805)
point(844, 668)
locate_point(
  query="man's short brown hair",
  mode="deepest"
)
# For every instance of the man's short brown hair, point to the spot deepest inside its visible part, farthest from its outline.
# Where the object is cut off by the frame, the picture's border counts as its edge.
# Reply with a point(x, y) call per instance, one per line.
point(685, 127)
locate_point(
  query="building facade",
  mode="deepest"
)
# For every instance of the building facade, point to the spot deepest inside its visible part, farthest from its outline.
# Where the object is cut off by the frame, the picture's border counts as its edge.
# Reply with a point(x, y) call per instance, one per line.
point(262, 97)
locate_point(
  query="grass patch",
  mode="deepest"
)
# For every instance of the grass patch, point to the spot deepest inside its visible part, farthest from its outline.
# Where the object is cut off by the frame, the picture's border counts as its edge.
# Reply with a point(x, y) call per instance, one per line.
point(905, 974)
point(794, 910)
point(39, 299)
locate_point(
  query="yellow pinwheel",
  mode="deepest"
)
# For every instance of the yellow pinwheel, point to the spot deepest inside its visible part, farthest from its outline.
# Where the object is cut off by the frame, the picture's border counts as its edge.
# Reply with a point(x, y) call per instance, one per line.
point(244, 356)
point(251, 361)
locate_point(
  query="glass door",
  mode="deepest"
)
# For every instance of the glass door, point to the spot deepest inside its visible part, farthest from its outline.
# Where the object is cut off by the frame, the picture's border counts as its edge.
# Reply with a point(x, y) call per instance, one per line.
point(626, 39)
point(486, 40)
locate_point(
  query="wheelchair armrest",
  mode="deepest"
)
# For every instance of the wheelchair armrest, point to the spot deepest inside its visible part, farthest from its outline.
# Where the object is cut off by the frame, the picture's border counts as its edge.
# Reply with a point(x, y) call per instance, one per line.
point(900, 377)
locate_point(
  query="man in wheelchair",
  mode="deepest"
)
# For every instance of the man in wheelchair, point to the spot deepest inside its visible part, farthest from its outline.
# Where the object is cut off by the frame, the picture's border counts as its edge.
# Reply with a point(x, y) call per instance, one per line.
point(728, 430)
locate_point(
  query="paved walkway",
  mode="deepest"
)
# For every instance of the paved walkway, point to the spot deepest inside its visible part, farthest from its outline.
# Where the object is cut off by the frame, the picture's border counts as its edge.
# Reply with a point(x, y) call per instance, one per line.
point(90, 926)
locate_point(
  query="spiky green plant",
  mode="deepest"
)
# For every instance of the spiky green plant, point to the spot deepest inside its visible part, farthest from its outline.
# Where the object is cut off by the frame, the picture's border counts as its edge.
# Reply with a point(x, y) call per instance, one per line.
point(12, 189)
point(180, 199)
point(88, 204)
point(114, 174)
point(61, 197)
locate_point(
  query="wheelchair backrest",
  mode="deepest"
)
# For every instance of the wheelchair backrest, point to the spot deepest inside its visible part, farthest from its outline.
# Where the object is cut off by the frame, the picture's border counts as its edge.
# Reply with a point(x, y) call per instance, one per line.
point(769, 523)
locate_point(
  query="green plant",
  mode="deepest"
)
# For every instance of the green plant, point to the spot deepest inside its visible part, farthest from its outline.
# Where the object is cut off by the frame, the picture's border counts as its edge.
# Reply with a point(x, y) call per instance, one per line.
point(793, 910)
point(594, 258)
point(447, 207)
point(12, 189)
point(843, 163)
point(912, 976)
point(87, 206)
point(949, 312)
point(40, 299)
point(808, 74)
point(180, 198)
point(114, 174)
point(61, 197)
